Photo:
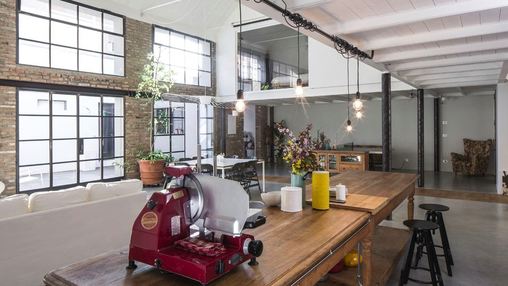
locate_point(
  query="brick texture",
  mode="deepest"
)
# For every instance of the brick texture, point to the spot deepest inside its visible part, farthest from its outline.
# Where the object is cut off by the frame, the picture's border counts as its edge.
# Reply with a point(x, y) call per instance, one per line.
point(138, 43)
point(8, 138)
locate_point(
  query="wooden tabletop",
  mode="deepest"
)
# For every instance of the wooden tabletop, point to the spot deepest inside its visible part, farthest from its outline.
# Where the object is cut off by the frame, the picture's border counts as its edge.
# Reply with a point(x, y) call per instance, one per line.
point(371, 191)
point(293, 244)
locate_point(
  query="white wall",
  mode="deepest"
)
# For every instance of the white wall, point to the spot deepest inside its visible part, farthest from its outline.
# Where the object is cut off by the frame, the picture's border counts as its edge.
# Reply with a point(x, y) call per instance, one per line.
point(331, 118)
point(502, 133)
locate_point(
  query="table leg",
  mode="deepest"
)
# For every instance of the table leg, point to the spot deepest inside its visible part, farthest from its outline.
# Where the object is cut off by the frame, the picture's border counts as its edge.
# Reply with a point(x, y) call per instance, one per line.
point(411, 203)
point(223, 173)
point(367, 260)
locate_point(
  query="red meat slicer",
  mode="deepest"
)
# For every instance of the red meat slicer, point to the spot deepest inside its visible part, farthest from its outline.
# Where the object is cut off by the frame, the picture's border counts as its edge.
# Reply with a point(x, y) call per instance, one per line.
point(194, 229)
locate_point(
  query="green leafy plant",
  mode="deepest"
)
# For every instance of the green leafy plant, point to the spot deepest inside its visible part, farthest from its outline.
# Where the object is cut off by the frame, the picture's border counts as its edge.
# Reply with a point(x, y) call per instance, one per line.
point(154, 81)
point(265, 86)
point(155, 156)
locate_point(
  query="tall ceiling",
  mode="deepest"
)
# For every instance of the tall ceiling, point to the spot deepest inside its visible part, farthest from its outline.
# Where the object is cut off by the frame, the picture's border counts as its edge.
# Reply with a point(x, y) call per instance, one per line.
point(199, 17)
point(445, 45)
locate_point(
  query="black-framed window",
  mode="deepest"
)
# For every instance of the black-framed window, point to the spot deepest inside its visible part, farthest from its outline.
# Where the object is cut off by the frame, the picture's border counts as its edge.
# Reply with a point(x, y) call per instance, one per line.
point(67, 35)
point(284, 75)
point(206, 130)
point(68, 138)
point(187, 57)
point(253, 73)
point(169, 135)
point(179, 127)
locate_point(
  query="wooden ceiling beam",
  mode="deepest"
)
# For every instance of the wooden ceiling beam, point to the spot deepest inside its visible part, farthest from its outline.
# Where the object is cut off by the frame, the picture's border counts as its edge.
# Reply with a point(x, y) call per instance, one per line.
point(415, 15)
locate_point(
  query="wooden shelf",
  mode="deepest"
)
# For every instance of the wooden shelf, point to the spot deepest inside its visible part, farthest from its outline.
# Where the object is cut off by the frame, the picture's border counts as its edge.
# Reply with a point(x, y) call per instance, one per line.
point(387, 248)
point(331, 160)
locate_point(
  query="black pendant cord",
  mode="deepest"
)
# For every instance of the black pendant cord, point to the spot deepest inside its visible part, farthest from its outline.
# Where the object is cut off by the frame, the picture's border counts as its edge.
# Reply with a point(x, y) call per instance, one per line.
point(357, 78)
point(298, 40)
point(348, 94)
point(241, 85)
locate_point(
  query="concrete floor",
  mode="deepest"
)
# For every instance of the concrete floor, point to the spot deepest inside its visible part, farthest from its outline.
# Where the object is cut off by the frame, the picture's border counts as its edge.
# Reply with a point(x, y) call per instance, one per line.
point(478, 235)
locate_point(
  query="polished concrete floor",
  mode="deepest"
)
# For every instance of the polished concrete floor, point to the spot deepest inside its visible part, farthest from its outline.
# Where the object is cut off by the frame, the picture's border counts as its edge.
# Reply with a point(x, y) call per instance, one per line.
point(478, 234)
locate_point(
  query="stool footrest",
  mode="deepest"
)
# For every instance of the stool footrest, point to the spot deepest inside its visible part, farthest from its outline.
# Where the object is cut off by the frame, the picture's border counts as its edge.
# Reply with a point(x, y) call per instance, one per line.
point(420, 281)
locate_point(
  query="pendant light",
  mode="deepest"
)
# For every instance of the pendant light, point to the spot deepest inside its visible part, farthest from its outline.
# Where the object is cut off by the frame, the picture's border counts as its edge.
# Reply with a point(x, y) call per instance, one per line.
point(299, 83)
point(358, 104)
point(349, 127)
point(240, 102)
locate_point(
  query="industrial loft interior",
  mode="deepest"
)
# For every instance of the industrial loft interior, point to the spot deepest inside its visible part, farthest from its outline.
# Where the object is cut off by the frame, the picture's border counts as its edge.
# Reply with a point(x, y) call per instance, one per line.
point(253, 142)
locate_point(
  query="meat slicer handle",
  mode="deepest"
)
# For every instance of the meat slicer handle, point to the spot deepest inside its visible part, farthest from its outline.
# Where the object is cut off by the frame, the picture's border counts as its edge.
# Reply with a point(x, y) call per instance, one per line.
point(256, 248)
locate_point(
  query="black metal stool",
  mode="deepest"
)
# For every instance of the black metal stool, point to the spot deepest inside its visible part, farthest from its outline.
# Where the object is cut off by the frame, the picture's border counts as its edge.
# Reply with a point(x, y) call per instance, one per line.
point(434, 214)
point(421, 232)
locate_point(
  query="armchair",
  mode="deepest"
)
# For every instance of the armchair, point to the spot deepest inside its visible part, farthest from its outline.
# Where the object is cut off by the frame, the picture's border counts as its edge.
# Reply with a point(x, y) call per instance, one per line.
point(475, 160)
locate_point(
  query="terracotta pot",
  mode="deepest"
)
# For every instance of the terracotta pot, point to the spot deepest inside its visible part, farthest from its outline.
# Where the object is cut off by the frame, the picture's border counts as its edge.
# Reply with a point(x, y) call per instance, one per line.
point(151, 172)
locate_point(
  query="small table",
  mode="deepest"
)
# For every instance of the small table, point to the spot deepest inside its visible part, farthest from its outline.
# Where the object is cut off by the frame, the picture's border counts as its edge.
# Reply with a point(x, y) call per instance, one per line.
point(299, 248)
point(228, 163)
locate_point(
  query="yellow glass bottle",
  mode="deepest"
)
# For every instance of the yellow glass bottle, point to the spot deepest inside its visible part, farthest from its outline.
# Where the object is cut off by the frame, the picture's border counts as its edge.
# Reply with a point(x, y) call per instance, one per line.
point(321, 190)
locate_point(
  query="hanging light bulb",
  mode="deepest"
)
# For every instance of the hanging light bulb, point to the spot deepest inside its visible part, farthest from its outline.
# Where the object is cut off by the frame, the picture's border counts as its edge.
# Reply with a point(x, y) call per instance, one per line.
point(240, 103)
point(299, 88)
point(359, 114)
point(349, 128)
point(357, 104)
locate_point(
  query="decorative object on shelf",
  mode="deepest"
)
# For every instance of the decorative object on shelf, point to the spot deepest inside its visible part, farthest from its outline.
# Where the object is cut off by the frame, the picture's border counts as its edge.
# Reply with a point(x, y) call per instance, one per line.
point(271, 199)
point(321, 190)
point(240, 101)
point(299, 83)
point(295, 20)
point(265, 86)
point(322, 143)
point(291, 199)
point(505, 183)
point(352, 259)
point(154, 81)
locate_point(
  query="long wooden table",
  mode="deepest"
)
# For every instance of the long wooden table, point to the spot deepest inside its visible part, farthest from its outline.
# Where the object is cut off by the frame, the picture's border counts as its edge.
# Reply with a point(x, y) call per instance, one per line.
point(377, 193)
point(299, 248)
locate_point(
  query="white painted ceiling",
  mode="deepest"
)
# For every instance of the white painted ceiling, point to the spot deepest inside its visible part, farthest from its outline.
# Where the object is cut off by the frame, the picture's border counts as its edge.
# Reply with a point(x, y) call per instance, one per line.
point(198, 17)
point(449, 46)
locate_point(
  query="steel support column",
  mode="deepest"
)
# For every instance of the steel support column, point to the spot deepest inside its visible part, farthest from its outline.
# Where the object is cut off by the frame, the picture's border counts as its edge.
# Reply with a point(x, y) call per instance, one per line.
point(420, 131)
point(437, 134)
point(386, 114)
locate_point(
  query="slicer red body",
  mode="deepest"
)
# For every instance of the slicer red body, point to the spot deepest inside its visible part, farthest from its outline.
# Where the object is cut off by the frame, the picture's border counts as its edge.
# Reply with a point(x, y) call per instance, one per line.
point(164, 220)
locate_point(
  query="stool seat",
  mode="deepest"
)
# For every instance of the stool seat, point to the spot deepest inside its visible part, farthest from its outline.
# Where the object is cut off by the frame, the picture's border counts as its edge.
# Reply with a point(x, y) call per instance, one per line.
point(418, 224)
point(434, 207)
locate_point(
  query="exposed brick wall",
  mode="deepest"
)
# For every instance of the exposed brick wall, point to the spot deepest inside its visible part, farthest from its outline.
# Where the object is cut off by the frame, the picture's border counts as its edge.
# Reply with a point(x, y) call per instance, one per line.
point(137, 133)
point(8, 138)
point(262, 130)
point(138, 43)
point(234, 142)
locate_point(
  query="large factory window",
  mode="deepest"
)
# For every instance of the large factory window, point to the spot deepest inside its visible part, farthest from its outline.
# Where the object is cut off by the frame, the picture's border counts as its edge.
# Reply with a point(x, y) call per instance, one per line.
point(179, 127)
point(67, 35)
point(68, 138)
point(186, 56)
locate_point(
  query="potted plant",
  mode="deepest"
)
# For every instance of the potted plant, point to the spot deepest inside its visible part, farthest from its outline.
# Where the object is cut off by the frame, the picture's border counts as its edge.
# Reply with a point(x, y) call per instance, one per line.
point(151, 166)
point(154, 81)
point(298, 152)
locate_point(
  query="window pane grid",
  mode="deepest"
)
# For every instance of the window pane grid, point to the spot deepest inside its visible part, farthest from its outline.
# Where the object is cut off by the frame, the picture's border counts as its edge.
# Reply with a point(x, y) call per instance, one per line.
point(110, 61)
point(69, 169)
point(189, 57)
